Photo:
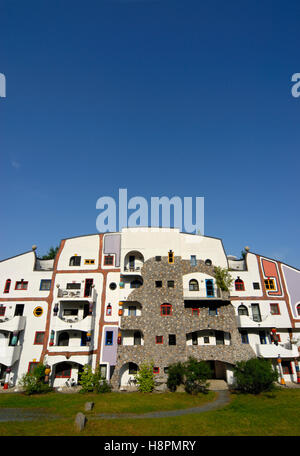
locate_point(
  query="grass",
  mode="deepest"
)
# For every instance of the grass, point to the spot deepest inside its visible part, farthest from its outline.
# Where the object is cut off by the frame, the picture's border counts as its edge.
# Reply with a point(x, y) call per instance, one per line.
point(268, 414)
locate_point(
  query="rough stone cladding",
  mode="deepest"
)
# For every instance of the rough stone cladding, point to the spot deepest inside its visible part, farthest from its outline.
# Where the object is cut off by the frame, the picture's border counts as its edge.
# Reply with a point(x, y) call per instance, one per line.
point(181, 322)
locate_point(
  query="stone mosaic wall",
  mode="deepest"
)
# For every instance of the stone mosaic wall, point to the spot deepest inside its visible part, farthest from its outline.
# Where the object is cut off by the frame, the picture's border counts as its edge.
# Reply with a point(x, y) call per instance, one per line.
point(181, 322)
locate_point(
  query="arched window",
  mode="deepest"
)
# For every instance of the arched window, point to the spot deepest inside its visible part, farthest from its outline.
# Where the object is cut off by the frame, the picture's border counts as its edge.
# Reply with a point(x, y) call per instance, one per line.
point(75, 261)
point(63, 370)
point(166, 309)
point(7, 286)
point(242, 310)
point(193, 285)
point(298, 309)
point(108, 309)
point(239, 285)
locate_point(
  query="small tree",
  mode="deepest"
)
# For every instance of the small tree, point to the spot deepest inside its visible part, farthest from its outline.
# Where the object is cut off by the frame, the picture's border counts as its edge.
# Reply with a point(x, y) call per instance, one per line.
point(175, 376)
point(145, 378)
point(51, 253)
point(93, 381)
point(255, 375)
point(223, 278)
point(34, 382)
point(192, 374)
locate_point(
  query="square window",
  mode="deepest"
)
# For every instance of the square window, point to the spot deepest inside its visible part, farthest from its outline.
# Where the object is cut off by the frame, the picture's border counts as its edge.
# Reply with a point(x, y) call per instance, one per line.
point(270, 284)
point(32, 366)
point(45, 285)
point(39, 338)
point(108, 260)
point(155, 370)
point(158, 258)
point(170, 283)
point(195, 312)
point(21, 285)
point(256, 286)
point(109, 338)
point(212, 311)
point(159, 339)
point(158, 283)
point(274, 309)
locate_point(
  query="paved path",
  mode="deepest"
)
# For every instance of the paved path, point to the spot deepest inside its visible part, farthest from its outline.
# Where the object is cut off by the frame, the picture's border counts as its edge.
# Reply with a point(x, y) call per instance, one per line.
point(22, 414)
point(222, 400)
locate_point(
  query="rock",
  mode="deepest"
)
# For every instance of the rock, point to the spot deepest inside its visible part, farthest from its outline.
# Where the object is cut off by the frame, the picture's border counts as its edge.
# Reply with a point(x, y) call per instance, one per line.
point(80, 421)
point(88, 406)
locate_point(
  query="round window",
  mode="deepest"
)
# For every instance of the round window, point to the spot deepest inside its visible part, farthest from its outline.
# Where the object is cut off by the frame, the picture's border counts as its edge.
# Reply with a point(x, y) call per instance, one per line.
point(38, 311)
point(208, 262)
point(113, 286)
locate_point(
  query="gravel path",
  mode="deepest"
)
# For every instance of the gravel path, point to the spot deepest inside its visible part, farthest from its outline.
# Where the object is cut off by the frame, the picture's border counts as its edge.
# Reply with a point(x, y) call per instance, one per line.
point(222, 400)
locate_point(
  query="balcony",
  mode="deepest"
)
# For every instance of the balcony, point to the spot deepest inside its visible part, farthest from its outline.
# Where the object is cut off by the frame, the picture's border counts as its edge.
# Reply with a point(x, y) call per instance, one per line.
point(9, 355)
point(204, 294)
point(133, 263)
point(272, 351)
point(266, 321)
point(69, 295)
point(16, 323)
point(72, 322)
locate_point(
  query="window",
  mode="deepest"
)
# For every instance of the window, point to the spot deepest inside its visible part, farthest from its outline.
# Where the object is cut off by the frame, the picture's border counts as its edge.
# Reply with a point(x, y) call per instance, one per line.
point(135, 284)
point(19, 309)
point(239, 285)
point(170, 283)
point(31, 366)
point(270, 284)
point(206, 339)
point(242, 310)
point(262, 337)
point(45, 285)
point(158, 258)
point(7, 286)
point(2, 311)
point(73, 286)
point(208, 262)
point(298, 309)
point(274, 309)
point(256, 286)
point(21, 285)
point(159, 339)
point(112, 285)
point(88, 287)
point(70, 312)
point(171, 257)
point(109, 338)
point(166, 370)
point(193, 285)
point(209, 288)
point(38, 311)
point(195, 311)
point(63, 370)
point(89, 261)
point(158, 283)
point(166, 309)
point(39, 338)
point(108, 260)
point(193, 260)
point(132, 311)
point(75, 261)
point(108, 309)
point(244, 337)
point(219, 337)
point(212, 310)
point(172, 339)
point(155, 370)
point(132, 368)
point(287, 367)
point(256, 312)
point(194, 338)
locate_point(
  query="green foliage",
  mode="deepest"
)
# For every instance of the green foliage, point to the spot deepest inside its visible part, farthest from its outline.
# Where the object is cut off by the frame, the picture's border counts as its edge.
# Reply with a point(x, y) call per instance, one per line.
point(255, 375)
point(192, 374)
point(145, 378)
point(92, 381)
point(34, 382)
point(223, 278)
point(175, 376)
point(51, 253)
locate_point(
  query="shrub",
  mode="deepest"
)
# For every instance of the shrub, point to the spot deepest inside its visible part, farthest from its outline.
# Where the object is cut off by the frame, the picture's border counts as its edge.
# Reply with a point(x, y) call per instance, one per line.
point(93, 381)
point(223, 278)
point(145, 378)
point(255, 375)
point(192, 374)
point(34, 382)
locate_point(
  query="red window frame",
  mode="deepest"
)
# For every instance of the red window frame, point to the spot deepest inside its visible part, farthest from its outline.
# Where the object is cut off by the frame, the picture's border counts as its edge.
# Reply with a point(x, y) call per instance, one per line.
point(239, 285)
point(2, 311)
point(7, 286)
point(195, 311)
point(157, 338)
point(165, 310)
point(66, 372)
point(272, 305)
point(108, 260)
point(23, 283)
point(37, 333)
point(155, 370)
point(31, 365)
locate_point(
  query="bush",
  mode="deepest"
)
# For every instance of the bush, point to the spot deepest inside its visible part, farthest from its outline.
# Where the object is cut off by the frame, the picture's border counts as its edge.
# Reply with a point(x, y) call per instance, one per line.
point(145, 378)
point(92, 382)
point(192, 374)
point(255, 375)
point(34, 382)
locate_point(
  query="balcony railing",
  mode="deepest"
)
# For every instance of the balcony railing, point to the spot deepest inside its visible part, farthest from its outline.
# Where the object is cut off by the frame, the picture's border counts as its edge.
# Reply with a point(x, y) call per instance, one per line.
point(272, 351)
point(204, 293)
point(16, 323)
point(64, 293)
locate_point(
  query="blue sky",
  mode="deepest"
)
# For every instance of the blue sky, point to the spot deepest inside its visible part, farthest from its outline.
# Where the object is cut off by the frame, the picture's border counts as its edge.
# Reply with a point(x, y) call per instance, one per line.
point(162, 97)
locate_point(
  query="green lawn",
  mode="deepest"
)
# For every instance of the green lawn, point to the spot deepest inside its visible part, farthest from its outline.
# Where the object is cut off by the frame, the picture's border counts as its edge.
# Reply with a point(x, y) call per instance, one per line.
point(272, 414)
